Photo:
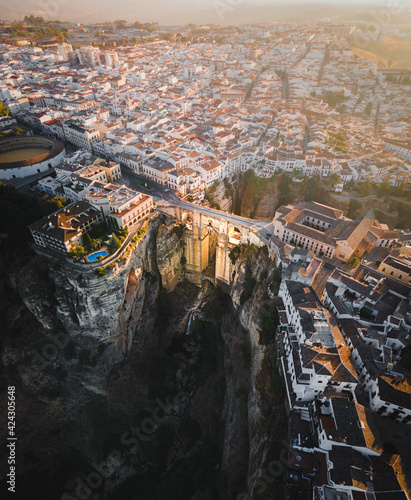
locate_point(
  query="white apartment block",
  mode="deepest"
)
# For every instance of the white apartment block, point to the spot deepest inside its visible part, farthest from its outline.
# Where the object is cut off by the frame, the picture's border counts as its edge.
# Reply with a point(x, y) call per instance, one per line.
point(92, 56)
point(107, 59)
point(80, 136)
point(121, 206)
point(316, 356)
point(134, 163)
point(88, 56)
point(402, 148)
point(65, 50)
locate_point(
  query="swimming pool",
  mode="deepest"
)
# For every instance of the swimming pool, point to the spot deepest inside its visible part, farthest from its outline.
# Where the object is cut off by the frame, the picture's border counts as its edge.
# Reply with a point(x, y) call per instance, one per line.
point(94, 257)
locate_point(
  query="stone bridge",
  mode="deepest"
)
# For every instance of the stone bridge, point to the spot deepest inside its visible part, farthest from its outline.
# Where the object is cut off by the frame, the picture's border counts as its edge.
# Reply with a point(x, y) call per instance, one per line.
point(209, 238)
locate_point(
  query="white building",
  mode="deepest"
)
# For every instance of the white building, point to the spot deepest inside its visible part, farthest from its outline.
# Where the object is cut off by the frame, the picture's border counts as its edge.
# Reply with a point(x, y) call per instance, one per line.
point(80, 136)
point(65, 50)
point(316, 356)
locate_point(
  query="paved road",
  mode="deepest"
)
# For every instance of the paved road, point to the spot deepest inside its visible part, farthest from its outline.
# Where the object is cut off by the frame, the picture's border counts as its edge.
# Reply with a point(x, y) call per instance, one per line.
point(21, 183)
point(157, 191)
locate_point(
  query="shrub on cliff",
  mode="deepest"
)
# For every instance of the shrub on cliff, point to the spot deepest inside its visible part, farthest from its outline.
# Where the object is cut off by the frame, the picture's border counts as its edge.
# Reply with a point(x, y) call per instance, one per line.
point(234, 254)
point(249, 285)
point(100, 271)
point(178, 230)
point(276, 384)
point(267, 324)
point(217, 303)
point(275, 284)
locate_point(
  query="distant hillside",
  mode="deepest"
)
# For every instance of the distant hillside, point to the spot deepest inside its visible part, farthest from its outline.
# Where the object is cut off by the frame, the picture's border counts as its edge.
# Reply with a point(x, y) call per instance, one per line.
point(394, 52)
point(392, 16)
point(178, 12)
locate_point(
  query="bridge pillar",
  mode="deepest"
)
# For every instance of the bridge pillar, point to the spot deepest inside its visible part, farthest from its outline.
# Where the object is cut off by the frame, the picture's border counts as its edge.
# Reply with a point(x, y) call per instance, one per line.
point(193, 249)
point(223, 263)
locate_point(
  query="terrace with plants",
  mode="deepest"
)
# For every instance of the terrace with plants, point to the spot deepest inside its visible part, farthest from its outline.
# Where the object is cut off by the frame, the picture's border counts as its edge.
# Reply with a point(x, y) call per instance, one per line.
point(100, 235)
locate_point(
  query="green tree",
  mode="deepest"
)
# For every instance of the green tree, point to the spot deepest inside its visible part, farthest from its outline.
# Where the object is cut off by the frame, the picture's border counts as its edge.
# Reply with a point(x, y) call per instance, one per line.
point(384, 189)
point(365, 188)
point(284, 188)
point(248, 288)
point(4, 110)
point(353, 262)
point(87, 241)
point(77, 253)
point(55, 204)
point(354, 208)
point(335, 179)
point(277, 277)
point(350, 185)
point(115, 243)
point(123, 232)
point(314, 190)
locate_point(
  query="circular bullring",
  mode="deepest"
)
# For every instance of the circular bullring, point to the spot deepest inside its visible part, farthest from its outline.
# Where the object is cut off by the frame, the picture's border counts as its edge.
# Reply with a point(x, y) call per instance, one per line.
point(28, 155)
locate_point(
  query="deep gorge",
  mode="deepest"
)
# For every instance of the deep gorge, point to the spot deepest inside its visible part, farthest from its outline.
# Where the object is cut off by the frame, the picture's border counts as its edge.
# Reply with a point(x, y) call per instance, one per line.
point(126, 404)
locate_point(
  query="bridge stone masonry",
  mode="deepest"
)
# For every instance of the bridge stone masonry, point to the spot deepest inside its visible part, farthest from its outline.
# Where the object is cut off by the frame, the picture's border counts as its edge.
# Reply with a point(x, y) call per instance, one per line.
point(209, 238)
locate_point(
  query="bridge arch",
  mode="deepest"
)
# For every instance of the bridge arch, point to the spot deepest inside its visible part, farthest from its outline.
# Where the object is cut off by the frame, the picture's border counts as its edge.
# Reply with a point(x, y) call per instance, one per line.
point(234, 235)
point(208, 242)
point(187, 219)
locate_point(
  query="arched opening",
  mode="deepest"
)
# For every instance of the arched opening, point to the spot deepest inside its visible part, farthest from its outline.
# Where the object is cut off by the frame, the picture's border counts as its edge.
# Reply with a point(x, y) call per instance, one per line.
point(234, 236)
point(187, 219)
point(208, 252)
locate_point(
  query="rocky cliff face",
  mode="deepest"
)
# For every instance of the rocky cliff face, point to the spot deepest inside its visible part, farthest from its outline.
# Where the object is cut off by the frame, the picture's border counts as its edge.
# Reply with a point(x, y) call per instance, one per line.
point(169, 254)
point(106, 333)
point(253, 265)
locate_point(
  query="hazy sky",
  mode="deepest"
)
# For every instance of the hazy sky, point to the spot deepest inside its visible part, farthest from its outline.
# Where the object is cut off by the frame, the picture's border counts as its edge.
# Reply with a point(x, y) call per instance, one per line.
point(162, 11)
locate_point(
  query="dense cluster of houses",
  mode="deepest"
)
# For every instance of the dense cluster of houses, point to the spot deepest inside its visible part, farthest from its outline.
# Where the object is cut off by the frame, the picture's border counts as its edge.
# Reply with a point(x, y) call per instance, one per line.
point(187, 115)
point(342, 333)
